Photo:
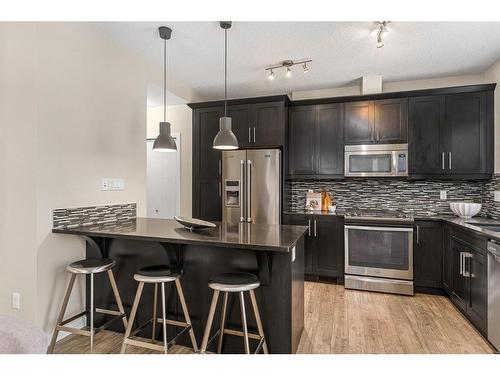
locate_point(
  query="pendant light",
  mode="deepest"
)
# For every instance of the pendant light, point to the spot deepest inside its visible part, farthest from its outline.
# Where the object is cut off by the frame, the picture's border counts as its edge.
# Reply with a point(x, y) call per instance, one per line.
point(164, 142)
point(225, 138)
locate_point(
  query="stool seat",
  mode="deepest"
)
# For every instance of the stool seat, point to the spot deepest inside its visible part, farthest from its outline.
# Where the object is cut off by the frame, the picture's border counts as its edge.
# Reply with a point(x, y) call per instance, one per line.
point(91, 265)
point(234, 282)
point(157, 274)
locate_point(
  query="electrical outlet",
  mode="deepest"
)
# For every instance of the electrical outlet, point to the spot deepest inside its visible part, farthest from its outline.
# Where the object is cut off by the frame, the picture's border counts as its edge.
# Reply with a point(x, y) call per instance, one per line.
point(496, 196)
point(116, 184)
point(442, 195)
point(16, 301)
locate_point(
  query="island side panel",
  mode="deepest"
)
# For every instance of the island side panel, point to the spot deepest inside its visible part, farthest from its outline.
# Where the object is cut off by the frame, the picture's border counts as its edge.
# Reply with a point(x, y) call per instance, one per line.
point(297, 294)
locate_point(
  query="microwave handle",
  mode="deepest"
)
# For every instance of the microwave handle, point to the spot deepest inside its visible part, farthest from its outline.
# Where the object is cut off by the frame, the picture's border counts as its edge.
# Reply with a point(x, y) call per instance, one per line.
point(395, 157)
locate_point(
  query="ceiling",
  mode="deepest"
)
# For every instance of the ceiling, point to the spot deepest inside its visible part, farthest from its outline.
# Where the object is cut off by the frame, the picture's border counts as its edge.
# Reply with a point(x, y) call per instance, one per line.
point(341, 53)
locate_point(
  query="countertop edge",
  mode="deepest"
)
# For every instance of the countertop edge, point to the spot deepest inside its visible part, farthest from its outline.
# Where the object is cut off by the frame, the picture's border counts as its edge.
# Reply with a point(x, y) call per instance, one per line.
point(257, 247)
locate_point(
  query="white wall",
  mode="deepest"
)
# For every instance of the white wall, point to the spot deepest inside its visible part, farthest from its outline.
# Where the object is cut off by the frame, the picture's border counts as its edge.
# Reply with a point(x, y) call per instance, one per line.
point(493, 75)
point(180, 117)
point(75, 112)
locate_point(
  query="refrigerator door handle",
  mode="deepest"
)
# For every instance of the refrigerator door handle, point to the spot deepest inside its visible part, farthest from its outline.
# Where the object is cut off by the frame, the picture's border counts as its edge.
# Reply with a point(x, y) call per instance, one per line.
point(242, 191)
point(249, 191)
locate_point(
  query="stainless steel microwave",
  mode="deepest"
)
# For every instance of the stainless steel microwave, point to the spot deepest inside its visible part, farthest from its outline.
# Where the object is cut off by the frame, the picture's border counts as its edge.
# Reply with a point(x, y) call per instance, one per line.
point(387, 160)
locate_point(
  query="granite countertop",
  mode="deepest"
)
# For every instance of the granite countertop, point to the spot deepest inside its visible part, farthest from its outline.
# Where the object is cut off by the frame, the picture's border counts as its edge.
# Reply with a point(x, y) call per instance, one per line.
point(264, 237)
point(466, 224)
point(309, 212)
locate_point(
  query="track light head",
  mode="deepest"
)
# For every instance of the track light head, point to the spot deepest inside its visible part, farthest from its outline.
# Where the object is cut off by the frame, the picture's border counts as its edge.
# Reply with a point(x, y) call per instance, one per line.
point(288, 71)
point(382, 29)
point(271, 75)
point(306, 69)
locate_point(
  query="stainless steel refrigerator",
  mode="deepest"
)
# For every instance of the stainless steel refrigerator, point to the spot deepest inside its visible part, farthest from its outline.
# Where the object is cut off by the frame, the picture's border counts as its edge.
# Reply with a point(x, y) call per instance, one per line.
point(251, 181)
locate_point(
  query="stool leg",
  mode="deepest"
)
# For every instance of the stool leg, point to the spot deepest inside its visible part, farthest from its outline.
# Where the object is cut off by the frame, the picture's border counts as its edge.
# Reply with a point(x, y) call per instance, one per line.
point(132, 316)
point(210, 319)
point(222, 323)
point(244, 323)
point(112, 281)
point(91, 312)
point(60, 318)
point(259, 322)
point(164, 316)
point(186, 313)
point(155, 301)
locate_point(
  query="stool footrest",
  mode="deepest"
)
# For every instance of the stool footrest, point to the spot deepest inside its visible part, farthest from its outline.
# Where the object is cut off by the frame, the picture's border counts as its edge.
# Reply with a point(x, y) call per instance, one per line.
point(144, 344)
point(80, 331)
point(74, 317)
point(77, 331)
point(131, 341)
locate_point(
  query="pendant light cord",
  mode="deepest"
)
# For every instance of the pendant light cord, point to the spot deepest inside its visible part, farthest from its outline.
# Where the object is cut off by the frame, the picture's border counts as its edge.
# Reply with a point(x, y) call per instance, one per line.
point(164, 80)
point(225, 72)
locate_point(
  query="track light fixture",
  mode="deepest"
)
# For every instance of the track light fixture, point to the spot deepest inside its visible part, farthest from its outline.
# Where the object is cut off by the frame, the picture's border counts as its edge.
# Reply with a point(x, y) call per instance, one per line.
point(382, 29)
point(287, 64)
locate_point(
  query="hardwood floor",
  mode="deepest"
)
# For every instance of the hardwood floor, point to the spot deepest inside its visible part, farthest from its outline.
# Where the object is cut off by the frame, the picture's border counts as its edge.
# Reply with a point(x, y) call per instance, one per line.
point(347, 321)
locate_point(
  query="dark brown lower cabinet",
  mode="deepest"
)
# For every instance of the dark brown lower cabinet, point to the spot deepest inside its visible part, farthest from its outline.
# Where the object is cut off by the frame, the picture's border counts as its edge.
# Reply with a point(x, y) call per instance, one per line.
point(324, 244)
point(427, 254)
point(469, 279)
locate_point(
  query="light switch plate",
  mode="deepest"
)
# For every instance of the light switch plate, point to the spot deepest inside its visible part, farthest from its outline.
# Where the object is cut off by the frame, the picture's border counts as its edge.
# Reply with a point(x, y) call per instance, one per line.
point(104, 184)
point(442, 194)
point(496, 196)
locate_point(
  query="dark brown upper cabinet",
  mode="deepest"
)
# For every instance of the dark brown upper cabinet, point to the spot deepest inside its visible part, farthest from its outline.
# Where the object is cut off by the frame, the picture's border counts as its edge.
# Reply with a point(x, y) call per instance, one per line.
point(427, 135)
point(316, 141)
point(358, 126)
point(376, 121)
point(207, 203)
point(391, 120)
point(451, 136)
point(467, 134)
point(258, 124)
point(301, 134)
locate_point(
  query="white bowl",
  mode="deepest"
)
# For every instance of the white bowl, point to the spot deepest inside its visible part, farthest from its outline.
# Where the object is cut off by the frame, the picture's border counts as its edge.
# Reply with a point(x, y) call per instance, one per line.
point(465, 210)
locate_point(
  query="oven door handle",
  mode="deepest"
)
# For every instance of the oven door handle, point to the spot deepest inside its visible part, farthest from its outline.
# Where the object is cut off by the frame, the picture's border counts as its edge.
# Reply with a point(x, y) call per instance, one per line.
point(379, 228)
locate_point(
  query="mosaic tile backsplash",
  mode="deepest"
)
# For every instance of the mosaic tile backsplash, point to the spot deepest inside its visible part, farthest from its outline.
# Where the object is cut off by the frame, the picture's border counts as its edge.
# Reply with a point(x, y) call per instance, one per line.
point(73, 217)
point(416, 197)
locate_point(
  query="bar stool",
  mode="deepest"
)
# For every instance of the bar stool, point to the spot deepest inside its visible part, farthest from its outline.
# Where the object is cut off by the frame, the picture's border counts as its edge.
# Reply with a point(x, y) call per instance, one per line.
point(236, 282)
point(86, 267)
point(159, 274)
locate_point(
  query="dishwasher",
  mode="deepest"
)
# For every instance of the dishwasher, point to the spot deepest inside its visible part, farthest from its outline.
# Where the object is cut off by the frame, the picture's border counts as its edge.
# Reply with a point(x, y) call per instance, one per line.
point(494, 294)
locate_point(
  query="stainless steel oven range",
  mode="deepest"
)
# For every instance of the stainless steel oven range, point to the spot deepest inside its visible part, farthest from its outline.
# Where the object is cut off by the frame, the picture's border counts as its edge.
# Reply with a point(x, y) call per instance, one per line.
point(379, 251)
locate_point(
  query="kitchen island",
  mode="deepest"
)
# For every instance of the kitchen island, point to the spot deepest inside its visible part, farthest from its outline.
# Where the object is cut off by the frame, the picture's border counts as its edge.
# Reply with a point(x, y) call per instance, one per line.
point(273, 252)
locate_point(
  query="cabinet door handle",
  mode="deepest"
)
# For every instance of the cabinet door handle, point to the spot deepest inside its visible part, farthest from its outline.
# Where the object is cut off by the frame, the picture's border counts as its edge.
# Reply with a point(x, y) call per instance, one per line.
point(220, 189)
point(442, 160)
point(220, 167)
point(254, 134)
point(309, 229)
point(449, 160)
point(317, 163)
point(378, 135)
point(315, 229)
point(313, 167)
point(461, 263)
point(467, 257)
point(249, 135)
point(418, 235)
